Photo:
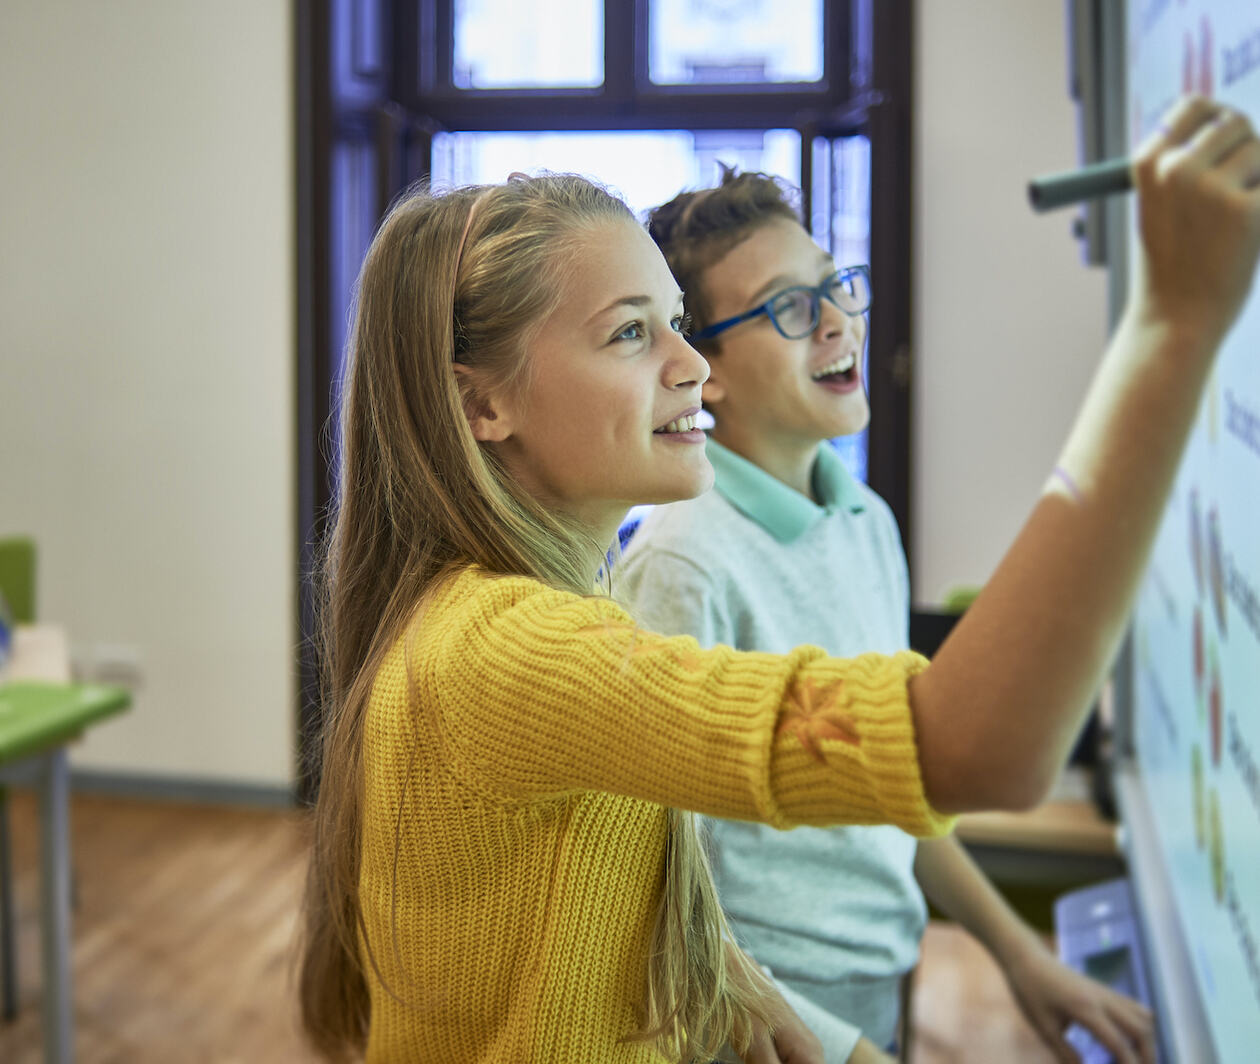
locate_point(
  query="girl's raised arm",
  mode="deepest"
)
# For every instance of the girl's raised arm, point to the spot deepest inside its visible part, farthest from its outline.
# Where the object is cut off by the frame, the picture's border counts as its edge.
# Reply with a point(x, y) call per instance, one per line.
point(998, 709)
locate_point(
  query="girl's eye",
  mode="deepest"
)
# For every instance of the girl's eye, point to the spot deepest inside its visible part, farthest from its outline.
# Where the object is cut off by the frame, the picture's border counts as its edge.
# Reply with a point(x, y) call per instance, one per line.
point(682, 324)
point(633, 331)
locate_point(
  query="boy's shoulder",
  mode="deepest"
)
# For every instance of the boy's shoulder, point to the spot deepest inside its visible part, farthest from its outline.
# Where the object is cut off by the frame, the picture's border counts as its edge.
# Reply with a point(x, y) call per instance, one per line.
point(699, 530)
point(711, 527)
point(875, 504)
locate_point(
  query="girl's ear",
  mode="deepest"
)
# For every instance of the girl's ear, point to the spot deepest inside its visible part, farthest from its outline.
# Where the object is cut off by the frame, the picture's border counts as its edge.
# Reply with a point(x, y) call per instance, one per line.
point(487, 416)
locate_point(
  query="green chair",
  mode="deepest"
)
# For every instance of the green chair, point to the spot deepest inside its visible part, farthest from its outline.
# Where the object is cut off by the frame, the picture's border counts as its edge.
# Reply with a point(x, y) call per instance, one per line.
point(959, 598)
point(930, 626)
point(17, 577)
point(17, 585)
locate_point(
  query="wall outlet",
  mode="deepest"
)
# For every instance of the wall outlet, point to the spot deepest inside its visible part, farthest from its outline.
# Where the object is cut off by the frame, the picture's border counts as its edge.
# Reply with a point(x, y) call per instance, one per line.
point(116, 664)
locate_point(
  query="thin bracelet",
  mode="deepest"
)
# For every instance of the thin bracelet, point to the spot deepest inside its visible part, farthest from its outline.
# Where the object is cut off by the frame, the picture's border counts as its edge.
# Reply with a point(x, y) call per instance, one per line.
point(1068, 483)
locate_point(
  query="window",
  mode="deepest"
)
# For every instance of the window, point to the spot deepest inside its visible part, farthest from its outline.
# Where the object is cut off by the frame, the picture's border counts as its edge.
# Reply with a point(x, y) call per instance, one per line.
point(695, 42)
point(646, 167)
point(647, 96)
point(841, 221)
point(503, 44)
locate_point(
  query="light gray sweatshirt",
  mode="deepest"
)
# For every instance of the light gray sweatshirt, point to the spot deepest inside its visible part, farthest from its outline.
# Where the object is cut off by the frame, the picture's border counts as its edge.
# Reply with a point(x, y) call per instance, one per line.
point(834, 913)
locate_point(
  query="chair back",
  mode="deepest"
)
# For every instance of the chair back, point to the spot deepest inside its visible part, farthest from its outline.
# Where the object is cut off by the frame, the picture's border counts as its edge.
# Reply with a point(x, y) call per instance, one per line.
point(17, 577)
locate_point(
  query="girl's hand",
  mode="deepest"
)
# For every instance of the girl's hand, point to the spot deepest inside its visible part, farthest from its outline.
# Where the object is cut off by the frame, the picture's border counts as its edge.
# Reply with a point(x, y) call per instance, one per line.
point(791, 1043)
point(866, 1052)
point(1053, 997)
point(1198, 179)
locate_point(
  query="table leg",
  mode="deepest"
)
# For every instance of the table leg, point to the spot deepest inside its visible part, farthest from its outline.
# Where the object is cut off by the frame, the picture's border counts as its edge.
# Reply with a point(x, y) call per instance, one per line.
point(8, 917)
point(54, 800)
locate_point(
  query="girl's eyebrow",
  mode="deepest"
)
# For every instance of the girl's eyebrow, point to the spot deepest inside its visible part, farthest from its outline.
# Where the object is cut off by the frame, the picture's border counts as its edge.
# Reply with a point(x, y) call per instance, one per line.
point(626, 301)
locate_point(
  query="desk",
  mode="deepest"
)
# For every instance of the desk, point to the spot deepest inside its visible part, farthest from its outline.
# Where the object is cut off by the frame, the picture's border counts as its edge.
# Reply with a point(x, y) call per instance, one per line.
point(39, 715)
point(1068, 822)
point(1036, 856)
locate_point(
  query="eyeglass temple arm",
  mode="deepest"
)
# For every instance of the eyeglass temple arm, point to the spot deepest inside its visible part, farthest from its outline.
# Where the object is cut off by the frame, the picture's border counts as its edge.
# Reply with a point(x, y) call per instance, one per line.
point(722, 326)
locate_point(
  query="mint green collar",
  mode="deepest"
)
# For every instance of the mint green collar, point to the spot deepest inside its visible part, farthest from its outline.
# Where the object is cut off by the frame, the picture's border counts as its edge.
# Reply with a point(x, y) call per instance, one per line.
point(782, 511)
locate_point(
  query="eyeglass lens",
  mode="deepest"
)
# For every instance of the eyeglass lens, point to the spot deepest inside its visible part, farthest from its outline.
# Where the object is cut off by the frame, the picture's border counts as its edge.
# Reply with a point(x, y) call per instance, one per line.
point(796, 310)
point(850, 291)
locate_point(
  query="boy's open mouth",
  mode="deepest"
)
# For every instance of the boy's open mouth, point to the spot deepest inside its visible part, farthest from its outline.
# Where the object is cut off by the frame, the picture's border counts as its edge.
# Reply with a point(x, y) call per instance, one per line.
point(843, 369)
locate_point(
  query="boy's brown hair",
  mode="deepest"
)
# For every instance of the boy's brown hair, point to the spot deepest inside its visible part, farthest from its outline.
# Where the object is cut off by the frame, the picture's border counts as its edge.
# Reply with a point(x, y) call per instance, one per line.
point(696, 229)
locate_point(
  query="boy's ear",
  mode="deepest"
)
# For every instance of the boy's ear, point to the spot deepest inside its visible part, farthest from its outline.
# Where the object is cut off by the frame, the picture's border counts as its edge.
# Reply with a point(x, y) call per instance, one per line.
point(488, 418)
point(713, 390)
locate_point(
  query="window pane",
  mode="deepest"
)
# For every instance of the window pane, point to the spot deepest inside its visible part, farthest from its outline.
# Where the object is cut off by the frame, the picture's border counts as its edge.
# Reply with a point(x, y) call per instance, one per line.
point(645, 168)
point(699, 41)
point(352, 193)
point(505, 44)
point(841, 222)
point(841, 198)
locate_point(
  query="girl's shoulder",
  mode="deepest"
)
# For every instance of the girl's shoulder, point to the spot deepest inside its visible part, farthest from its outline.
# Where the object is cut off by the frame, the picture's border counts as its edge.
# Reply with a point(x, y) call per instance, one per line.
point(473, 617)
point(474, 599)
point(473, 587)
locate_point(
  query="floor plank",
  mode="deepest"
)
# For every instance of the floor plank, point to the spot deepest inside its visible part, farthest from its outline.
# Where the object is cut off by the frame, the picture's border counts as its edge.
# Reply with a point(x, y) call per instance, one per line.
point(962, 1008)
point(183, 933)
point(183, 937)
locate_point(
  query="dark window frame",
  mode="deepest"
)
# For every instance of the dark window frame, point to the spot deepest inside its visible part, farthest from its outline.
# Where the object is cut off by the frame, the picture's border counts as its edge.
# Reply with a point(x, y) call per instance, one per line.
point(370, 75)
point(627, 98)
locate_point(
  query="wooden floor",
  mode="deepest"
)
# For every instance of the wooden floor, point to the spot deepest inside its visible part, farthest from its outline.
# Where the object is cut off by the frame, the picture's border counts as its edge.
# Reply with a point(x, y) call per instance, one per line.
point(183, 945)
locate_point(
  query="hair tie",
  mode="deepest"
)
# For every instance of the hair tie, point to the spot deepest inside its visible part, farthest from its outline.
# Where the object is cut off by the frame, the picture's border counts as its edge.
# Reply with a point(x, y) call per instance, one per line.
point(459, 258)
point(459, 252)
point(517, 175)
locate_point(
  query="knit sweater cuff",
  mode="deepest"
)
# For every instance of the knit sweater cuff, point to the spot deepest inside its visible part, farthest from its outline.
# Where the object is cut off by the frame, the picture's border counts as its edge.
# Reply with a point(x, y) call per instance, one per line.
point(891, 787)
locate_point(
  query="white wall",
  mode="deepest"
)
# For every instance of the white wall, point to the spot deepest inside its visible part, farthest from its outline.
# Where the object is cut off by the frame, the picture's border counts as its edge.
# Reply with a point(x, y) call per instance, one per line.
point(146, 362)
point(1008, 323)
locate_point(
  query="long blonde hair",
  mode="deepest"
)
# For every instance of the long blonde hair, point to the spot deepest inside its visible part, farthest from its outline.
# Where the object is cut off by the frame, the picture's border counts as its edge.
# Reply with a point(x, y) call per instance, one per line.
point(468, 276)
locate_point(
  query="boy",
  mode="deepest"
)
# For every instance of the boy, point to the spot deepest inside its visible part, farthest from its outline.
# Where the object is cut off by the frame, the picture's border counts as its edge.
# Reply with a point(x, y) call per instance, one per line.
point(790, 549)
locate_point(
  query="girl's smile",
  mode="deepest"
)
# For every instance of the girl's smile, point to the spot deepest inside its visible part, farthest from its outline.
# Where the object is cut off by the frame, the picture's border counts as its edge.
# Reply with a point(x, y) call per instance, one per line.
point(606, 420)
point(682, 428)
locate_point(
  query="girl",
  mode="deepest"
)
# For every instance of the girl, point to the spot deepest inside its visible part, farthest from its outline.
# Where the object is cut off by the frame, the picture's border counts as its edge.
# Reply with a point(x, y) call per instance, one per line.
point(497, 873)
point(789, 549)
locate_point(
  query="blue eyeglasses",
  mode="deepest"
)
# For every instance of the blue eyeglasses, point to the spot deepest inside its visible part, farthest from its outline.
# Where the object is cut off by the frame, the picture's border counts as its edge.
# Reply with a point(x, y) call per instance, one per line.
point(795, 311)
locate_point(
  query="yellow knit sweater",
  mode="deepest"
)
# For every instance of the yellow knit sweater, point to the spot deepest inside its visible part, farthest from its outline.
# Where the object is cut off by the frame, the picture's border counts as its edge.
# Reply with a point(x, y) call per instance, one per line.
point(521, 747)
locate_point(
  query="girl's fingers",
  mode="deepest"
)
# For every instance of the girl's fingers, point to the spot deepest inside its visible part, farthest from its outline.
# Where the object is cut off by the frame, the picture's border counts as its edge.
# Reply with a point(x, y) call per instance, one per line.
point(762, 1050)
point(1200, 227)
point(1112, 1038)
point(1218, 139)
point(1243, 165)
point(1052, 1028)
point(1059, 1047)
point(1180, 123)
point(1138, 1024)
point(1130, 1021)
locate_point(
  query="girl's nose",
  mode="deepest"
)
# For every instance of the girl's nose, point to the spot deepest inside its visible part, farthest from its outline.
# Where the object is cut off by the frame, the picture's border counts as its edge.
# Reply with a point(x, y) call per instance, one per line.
point(685, 367)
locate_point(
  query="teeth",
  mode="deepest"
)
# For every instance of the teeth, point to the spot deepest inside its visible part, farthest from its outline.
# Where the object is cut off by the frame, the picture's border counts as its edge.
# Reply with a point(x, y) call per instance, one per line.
point(683, 424)
point(840, 365)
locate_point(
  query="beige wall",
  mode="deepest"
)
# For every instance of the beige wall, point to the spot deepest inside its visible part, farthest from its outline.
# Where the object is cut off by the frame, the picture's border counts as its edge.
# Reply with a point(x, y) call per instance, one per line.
point(1008, 323)
point(146, 338)
point(146, 363)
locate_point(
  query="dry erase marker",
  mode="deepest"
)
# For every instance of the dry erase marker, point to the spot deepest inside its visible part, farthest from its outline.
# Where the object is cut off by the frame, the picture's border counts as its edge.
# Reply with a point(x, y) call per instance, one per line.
point(1090, 182)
